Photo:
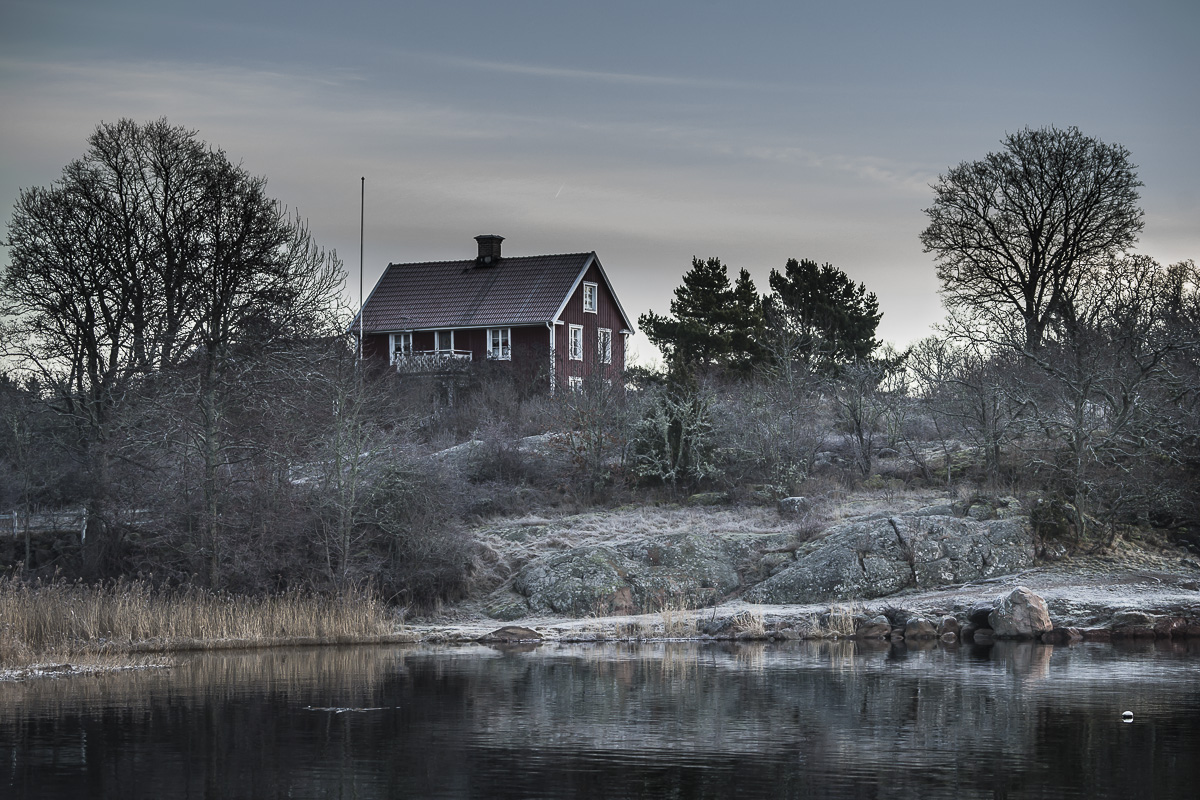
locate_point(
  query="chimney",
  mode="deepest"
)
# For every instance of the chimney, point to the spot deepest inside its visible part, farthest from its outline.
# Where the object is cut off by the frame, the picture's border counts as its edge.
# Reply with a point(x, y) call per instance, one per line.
point(489, 249)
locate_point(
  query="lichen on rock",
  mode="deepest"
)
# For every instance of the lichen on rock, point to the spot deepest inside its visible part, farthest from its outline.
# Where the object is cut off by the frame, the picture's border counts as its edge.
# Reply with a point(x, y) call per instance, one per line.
point(879, 557)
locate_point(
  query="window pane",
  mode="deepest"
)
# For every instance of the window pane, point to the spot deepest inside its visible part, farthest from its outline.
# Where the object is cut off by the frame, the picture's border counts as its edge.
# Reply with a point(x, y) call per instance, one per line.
point(498, 346)
point(576, 343)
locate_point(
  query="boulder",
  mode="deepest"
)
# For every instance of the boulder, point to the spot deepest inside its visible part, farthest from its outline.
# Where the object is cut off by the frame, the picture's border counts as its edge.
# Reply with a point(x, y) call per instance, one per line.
point(1170, 628)
point(942, 510)
point(1128, 618)
point(981, 511)
point(984, 636)
point(979, 613)
point(1062, 636)
point(795, 505)
point(946, 625)
point(865, 559)
point(586, 580)
point(873, 630)
point(512, 633)
point(920, 628)
point(1133, 624)
point(506, 606)
point(637, 577)
point(1020, 614)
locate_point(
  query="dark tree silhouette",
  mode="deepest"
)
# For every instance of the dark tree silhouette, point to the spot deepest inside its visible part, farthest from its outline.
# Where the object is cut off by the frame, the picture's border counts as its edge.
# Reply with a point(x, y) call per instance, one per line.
point(1019, 234)
point(154, 254)
point(831, 319)
point(712, 322)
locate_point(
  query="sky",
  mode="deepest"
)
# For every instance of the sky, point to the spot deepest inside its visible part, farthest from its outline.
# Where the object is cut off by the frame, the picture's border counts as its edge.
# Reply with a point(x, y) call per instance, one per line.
point(650, 132)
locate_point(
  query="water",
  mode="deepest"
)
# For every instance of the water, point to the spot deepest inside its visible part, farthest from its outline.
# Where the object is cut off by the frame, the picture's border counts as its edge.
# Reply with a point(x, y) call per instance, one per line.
point(805, 720)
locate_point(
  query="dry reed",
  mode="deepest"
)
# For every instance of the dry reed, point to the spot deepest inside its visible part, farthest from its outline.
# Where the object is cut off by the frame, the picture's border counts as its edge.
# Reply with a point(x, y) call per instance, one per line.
point(750, 624)
point(61, 619)
point(679, 620)
point(838, 624)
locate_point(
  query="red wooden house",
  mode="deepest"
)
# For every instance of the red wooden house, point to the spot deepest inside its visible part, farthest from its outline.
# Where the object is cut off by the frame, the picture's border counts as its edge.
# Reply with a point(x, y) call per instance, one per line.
point(552, 319)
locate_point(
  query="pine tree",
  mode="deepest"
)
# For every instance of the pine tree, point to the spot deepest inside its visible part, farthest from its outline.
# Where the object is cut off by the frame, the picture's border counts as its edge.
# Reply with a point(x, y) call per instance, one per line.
point(713, 323)
point(829, 318)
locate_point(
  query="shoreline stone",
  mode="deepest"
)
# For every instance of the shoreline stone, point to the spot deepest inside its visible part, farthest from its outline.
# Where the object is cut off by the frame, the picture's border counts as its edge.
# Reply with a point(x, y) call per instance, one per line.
point(1020, 614)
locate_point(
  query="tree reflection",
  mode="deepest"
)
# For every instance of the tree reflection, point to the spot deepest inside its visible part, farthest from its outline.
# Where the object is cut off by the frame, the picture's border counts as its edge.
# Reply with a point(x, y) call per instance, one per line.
point(819, 719)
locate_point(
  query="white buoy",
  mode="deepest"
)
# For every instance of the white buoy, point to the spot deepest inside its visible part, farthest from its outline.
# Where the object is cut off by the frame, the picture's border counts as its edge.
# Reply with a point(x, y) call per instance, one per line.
point(1127, 716)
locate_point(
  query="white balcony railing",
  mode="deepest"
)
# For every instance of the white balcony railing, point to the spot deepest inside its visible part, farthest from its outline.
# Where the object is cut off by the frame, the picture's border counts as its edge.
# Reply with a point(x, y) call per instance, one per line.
point(430, 360)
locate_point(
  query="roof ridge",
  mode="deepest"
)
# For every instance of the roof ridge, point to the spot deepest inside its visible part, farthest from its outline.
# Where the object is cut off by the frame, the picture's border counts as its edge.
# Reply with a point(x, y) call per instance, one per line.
point(504, 258)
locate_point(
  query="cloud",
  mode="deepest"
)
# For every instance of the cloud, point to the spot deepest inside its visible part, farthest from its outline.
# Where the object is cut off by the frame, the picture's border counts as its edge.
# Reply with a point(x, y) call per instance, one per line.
point(647, 191)
point(623, 78)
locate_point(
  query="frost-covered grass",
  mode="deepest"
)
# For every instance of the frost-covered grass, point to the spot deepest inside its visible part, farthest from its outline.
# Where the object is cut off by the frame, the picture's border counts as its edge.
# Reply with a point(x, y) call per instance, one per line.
point(61, 620)
point(621, 525)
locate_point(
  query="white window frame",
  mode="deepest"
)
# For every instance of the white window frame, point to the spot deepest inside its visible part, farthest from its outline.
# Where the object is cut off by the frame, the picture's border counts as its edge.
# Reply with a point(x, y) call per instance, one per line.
point(604, 345)
point(575, 342)
point(499, 344)
point(591, 297)
point(399, 344)
point(437, 341)
point(575, 383)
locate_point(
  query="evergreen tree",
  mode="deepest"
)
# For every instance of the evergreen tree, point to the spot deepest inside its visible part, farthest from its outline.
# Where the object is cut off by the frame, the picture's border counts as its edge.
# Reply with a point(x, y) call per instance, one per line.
point(826, 317)
point(712, 322)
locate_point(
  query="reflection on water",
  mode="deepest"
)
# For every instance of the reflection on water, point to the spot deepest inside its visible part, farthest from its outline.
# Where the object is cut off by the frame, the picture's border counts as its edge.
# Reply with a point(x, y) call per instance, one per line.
point(835, 720)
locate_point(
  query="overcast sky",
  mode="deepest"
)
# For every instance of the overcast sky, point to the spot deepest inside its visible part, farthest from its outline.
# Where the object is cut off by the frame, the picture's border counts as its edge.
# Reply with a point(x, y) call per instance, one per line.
point(648, 132)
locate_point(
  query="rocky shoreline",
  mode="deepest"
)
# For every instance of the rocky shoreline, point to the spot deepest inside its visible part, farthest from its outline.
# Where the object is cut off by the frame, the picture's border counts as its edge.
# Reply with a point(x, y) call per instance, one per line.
point(917, 568)
point(1164, 615)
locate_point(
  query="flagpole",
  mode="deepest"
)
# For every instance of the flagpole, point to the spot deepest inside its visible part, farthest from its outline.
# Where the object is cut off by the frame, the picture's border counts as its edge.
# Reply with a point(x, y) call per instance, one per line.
point(362, 207)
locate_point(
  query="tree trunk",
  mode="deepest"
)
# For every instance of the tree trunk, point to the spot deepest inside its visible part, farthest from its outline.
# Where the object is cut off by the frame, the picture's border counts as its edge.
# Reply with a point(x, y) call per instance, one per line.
point(210, 450)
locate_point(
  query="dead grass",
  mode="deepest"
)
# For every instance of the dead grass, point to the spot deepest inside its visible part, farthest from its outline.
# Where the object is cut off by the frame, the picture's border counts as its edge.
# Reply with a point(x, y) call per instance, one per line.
point(678, 619)
point(838, 625)
point(750, 623)
point(632, 524)
point(61, 620)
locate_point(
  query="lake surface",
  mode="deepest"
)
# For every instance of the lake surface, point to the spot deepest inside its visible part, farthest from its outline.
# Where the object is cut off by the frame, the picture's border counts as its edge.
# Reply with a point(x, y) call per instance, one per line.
point(804, 720)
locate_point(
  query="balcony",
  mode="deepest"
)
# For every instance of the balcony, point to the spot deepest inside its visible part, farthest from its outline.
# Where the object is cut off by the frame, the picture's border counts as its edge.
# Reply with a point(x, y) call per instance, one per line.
point(431, 362)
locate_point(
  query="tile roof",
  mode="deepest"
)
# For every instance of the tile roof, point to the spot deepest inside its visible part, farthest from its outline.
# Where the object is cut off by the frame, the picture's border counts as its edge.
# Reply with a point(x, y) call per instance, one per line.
point(525, 290)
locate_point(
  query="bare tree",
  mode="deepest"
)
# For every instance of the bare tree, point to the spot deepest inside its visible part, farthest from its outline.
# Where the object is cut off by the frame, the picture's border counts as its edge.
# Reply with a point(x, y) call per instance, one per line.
point(776, 424)
point(1107, 397)
point(598, 422)
point(864, 395)
point(152, 254)
point(1020, 234)
point(966, 386)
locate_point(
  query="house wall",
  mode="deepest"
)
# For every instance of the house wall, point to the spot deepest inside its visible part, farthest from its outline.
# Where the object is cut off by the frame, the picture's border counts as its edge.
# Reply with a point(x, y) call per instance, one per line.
point(606, 316)
point(530, 346)
point(375, 346)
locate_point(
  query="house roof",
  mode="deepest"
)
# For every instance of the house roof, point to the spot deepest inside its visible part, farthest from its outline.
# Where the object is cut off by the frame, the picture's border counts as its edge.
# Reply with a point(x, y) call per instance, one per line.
point(523, 290)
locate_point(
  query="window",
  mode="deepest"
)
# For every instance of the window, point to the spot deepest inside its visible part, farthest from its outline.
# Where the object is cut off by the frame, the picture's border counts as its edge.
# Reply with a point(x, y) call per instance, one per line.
point(443, 341)
point(575, 383)
point(401, 345)
point(498, 344)
point(589, 297)
point(604, 345)
point(575, 343)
